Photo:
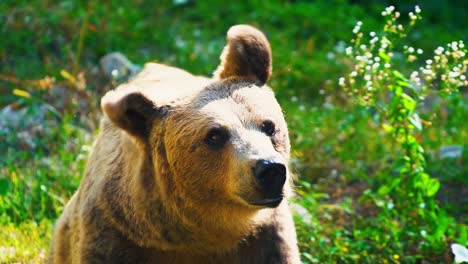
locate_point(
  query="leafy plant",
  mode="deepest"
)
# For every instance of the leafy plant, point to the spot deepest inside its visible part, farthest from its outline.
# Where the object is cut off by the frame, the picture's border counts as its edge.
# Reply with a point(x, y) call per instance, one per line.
point(407, 194)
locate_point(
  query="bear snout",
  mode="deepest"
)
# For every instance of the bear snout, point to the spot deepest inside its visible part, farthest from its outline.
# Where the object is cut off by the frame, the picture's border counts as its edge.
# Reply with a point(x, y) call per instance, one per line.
point(270, 176)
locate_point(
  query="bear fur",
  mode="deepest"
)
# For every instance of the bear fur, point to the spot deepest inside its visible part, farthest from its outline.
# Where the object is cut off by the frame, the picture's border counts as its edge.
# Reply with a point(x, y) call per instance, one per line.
point(170, 178)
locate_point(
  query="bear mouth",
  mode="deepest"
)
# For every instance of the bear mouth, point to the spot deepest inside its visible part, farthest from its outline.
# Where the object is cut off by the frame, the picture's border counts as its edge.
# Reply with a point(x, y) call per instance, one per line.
point(269, 202)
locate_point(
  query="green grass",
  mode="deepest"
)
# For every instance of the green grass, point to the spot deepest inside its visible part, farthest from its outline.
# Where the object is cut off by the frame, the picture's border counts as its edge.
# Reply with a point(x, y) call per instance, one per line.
point(342, 154)
point(26, 242)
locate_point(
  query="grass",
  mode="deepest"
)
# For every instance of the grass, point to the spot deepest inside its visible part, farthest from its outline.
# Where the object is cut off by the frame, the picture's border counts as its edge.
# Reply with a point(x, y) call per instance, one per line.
point(51, 50)
point(26, 242)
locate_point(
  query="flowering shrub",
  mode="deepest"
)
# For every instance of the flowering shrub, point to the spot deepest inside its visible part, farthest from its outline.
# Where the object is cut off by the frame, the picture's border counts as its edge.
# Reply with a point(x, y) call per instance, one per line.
point(406, 199)
point(390, 213)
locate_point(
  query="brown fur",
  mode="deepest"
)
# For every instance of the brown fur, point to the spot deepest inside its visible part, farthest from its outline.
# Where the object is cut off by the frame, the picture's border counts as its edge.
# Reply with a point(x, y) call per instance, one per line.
point(155, 192)
point(247, 55)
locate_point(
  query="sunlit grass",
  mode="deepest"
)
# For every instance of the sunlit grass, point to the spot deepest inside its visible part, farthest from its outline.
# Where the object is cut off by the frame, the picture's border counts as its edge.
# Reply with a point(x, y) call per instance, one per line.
point(26, 242)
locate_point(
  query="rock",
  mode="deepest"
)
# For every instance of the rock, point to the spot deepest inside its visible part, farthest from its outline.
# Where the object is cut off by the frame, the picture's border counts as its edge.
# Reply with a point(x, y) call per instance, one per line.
point(452, 151)
point(117, 67)
point(22, 126)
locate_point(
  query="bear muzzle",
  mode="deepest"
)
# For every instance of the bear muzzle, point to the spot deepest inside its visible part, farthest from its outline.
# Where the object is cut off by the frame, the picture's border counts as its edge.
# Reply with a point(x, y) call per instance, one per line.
point(270, 177)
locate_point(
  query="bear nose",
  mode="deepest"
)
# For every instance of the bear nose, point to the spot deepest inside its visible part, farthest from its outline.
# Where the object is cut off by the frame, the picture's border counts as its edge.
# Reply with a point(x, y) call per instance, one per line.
point(271, 177)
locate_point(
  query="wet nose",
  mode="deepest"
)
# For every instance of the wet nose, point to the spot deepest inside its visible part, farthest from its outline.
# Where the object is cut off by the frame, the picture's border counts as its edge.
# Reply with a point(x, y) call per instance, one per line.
point(270, 176)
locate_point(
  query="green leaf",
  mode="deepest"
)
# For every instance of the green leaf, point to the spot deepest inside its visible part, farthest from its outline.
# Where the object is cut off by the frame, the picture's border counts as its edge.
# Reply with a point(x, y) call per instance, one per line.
point(400, 76)
point(308, 257)
point(383, 190)
point(397, 90)
point(384, 56)
point(394, 183)
point(388, 128)
point(421, 180)
point(415, 121)
point(432, 186)
point(4, 186)
point(403, 83)
point(408, 102)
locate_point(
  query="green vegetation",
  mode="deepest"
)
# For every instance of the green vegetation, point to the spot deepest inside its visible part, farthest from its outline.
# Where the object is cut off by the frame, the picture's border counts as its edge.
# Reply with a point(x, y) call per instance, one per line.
point(376, 113)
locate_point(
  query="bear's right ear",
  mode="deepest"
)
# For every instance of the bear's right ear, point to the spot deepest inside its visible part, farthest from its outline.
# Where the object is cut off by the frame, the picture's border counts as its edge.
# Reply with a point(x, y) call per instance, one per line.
point(247, 55)
point(130, 110)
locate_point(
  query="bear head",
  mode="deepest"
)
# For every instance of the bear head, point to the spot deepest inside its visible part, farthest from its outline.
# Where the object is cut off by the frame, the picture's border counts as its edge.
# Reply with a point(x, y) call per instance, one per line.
point(220, 144)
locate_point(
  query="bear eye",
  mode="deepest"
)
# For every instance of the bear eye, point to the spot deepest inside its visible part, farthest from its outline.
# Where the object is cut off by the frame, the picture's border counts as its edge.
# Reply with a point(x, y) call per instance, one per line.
point(217, 137)
point(268, 127)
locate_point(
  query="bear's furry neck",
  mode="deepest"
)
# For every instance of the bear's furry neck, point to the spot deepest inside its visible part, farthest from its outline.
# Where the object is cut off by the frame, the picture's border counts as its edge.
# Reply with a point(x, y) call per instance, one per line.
point(149, 209)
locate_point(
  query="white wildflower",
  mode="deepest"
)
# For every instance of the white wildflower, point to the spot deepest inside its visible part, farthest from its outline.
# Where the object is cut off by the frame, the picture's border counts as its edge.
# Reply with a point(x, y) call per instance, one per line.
point(417, 9)
point(460, 252)
point(390, 9)
point(341, 81)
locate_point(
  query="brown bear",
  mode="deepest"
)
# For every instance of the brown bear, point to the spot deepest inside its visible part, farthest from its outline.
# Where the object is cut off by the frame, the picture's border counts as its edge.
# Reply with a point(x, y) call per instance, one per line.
point(187, 169)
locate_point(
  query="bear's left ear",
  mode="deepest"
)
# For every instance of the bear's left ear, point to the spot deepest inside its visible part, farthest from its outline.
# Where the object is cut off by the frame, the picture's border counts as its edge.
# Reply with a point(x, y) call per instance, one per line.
point(247, 55)
point(131, 111)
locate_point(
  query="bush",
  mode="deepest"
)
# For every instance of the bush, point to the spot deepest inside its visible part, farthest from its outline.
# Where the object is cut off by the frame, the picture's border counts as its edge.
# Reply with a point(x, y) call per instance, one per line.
point(405, 223)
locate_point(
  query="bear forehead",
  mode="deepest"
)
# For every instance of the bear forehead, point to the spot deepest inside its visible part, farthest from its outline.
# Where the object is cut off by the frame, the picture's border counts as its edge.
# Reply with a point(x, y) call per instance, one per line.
point(241, 92)
point(238, 102)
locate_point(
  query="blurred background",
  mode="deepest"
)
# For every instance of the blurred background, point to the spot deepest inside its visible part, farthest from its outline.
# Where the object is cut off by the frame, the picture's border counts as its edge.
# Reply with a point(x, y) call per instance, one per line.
point(57, 58)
